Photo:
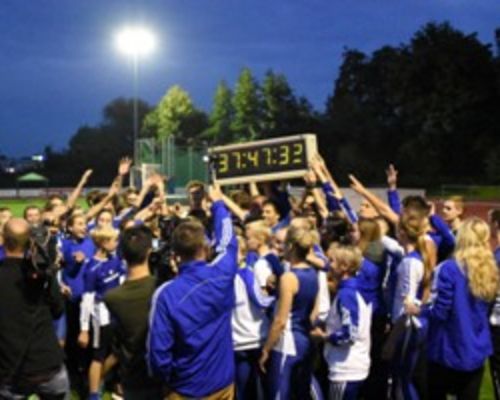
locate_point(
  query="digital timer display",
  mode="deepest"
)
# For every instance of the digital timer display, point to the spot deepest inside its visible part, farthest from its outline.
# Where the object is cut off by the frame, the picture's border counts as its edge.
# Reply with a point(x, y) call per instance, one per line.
point(268, 159)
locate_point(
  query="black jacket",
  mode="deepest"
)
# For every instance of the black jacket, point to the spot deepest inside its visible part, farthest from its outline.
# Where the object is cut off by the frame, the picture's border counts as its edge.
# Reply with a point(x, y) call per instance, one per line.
point(28, 344)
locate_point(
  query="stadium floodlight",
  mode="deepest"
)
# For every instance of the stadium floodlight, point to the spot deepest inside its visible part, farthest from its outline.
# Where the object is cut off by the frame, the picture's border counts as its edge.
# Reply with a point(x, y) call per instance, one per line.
point(136, 42)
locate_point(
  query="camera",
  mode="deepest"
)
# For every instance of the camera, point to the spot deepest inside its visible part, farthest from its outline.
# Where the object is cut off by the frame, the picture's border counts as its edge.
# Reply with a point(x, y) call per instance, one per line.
point(41, 252)
point(161, 260)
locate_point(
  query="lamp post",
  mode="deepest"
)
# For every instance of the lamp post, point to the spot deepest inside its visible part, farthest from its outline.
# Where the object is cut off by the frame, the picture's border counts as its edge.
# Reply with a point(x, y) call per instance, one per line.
point(135, 42)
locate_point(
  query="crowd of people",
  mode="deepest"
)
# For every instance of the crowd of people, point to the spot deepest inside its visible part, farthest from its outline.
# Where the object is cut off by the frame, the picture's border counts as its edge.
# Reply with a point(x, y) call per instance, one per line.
point(250, 294)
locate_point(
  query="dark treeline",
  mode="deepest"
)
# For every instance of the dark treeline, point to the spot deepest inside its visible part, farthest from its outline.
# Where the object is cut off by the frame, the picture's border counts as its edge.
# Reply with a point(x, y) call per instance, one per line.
point(431, 106)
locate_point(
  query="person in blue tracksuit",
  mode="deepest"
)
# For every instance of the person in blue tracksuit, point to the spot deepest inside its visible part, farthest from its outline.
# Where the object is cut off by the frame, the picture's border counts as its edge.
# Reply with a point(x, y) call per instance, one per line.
point(286, 355)
point(459, 339)
point(347, 335)
point(441, 233)
point(76, 249)
point(412, 286)
point(104, 271)
point(190, 343)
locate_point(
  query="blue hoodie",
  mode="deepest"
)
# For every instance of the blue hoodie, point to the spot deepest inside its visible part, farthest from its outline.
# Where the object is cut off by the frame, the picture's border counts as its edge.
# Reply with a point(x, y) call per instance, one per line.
point(369, 283)
point(73, 273)
point(334, 204)
point(190, 340)
point(459, 335)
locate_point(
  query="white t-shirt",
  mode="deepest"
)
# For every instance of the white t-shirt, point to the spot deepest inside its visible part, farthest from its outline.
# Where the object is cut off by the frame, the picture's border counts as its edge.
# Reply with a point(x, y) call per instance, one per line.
point(410, 274)
point(324, 296)
point(262, 271)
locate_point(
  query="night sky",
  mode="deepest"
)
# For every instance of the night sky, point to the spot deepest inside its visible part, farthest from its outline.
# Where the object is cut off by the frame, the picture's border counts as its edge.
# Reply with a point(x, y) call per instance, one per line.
point(59, 65)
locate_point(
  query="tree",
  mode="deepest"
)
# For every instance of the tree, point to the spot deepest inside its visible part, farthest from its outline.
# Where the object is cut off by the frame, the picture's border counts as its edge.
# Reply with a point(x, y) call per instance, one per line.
point(220, 131)
point(175, 116)
point(428, 106)
point(247, 108)
point(279, 105)
point(97, 147)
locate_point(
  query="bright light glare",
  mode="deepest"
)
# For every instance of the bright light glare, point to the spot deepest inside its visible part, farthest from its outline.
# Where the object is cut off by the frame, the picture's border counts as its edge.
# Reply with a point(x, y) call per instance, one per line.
point(135, 41)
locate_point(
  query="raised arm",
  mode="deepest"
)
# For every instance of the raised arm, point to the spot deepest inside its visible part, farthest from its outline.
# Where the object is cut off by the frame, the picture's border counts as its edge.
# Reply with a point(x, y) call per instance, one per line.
point(234, 208)
point(73, 197)
point(392, 192)
point(381, 207)
point(113, 191)
point(311, 181)
point(123, 170)
point(442, 228)
point(226, 245)
point(334, 196)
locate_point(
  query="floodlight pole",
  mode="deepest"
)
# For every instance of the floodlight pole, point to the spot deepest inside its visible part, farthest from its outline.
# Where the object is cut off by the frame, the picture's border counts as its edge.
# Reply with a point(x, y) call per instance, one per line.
point(135, 61)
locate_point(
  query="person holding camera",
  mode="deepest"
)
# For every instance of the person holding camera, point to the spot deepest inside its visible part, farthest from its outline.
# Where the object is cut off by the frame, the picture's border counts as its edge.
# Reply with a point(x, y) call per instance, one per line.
point(31, 360)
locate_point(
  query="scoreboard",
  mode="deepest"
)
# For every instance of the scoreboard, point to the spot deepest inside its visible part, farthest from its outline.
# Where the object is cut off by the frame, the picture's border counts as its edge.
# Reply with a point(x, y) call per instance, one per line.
point(263, 160)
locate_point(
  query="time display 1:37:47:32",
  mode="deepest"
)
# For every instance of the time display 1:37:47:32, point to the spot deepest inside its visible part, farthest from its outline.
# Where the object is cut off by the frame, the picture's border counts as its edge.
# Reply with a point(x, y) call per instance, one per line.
point(290, 154)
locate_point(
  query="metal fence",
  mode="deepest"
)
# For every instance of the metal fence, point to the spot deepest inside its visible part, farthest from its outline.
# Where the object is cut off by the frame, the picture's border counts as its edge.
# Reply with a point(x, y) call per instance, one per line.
point(180, 163)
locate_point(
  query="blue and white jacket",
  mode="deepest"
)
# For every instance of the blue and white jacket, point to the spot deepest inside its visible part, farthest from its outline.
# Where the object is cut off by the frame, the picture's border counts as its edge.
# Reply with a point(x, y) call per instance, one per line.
point(100, 277)
point(190, 344)
point(73, 273)
point(459, 335)
point(347, 350)
point(334, 204)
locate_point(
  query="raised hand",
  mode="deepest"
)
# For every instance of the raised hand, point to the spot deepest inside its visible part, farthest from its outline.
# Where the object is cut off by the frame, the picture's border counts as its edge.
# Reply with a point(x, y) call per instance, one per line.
point(310, 178)
point(86, 175)
point(392, 176)
point(317, 165)
point(432, 208)
point(215, 192)
point(124, 166)
point(115, 188)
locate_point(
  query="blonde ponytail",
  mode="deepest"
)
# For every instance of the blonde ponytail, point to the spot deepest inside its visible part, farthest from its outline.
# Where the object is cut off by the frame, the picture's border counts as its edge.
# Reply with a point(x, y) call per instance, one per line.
point(474, 253)
point(414, 225)
point(301, 240)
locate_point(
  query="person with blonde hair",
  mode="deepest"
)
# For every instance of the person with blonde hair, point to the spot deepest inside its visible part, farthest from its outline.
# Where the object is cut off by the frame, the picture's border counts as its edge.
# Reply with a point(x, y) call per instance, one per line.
point(459, 339)
point(287, 353)
point(250, 324)
point(347, 335)
point(104, 271)
point(494, 220)
point(258, 240)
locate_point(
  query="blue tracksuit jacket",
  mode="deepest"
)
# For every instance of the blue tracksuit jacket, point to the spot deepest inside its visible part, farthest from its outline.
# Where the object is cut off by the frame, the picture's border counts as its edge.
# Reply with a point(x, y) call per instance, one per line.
point(334, 204)
point(190, 342)
point(459, 335)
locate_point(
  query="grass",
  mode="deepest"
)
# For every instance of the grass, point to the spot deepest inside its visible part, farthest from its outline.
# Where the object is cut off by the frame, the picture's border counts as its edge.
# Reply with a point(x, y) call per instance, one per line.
point(469, 192)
